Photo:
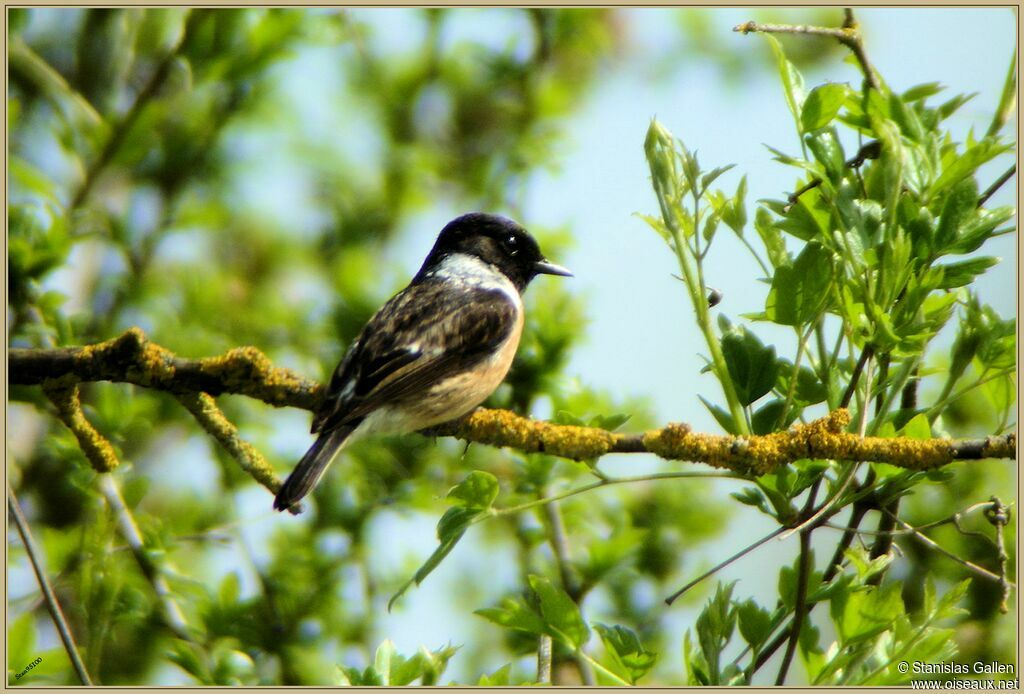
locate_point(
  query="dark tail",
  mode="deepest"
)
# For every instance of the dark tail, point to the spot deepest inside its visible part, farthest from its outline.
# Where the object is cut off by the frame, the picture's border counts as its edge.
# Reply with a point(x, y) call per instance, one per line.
point(311, 468)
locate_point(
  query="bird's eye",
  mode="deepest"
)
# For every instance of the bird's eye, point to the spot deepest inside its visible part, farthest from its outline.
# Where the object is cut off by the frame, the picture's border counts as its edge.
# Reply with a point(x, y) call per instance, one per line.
point(512, 244)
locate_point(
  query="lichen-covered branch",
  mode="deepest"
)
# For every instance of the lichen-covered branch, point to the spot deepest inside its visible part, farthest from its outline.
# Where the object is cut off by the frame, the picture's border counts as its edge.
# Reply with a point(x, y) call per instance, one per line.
point(94, 445)
point(209, 416)
point(131, 358)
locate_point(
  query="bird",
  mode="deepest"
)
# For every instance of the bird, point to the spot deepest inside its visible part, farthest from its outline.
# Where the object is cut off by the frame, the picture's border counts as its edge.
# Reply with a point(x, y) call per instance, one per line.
point(434, 351)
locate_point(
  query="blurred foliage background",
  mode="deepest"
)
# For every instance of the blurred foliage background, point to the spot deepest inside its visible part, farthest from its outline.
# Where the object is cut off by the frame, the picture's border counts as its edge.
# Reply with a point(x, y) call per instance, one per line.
point(149, 154)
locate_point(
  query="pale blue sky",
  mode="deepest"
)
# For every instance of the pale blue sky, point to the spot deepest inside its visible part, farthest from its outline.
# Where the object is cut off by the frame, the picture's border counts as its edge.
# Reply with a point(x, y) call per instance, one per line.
point(640, 339)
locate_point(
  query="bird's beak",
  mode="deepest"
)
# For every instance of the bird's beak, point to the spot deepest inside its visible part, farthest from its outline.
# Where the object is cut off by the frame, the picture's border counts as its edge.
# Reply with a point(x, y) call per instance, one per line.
point(543, 267)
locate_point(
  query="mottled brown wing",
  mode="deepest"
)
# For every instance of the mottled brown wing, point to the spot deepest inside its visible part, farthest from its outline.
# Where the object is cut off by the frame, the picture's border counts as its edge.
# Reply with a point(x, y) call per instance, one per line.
point(423, 335)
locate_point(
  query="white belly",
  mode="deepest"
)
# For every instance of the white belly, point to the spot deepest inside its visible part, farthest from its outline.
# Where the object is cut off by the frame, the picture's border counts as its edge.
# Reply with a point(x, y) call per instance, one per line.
point(448, 399)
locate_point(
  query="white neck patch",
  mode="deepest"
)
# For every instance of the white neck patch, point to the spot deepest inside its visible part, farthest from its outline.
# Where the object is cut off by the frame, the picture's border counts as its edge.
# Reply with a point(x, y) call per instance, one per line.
point(468, 269)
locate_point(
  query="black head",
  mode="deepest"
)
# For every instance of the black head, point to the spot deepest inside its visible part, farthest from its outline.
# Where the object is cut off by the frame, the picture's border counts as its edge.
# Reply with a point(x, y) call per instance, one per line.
point(498, 241)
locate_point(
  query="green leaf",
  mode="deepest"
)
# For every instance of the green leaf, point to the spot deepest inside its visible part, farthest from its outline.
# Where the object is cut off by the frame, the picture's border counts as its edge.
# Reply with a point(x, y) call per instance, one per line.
point(477, 491)
point(513, 613)
point(809, 388)
point(958, 206)
point(921, 91)
point(792, 80)
point(229, 590)
point(776, 486)
point(186, 656)
point(752, 366)
point(734, 213)
point(864, 565)
point(658, 225)
point(630, 660)
point(918, 428)
point(799, 292)
point(396, 670)
point(772, 416)
point(21, 640)
point(771, 237)
point(821, 106)
point(947, 605)
point(828, 152)
point(354, 677)
point(906, 118)
point(382, 661)
point(1007, 99)
point(450, 530)
point(561, 615)
point(966, 164)
point(499, 678)
point(862, 615)
point(609, 422)
point(979, 228)
point(963, 273)
point(433, 663)
point(721, 416)
point(566, 417)
point(752, 496)
point(710, 177)
point(755, 623)
point(714, 629)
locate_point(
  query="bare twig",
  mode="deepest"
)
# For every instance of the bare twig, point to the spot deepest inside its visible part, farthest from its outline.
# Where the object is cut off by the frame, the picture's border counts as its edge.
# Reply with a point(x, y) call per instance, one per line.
point(173, 617)
point(559, 542)
point(35, 558)
point(848, 35)
point(721, 565)
point(851, 388)
point(951, 519)
point(544, 659)
point(970, 566)
point(205, 410)
point(999, 515)
point(802, 579)
point(991, 190)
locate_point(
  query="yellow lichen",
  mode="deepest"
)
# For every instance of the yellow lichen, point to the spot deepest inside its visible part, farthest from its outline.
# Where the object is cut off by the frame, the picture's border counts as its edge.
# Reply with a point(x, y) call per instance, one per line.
point(204, 408)
point(96, 448)
point(504, 428)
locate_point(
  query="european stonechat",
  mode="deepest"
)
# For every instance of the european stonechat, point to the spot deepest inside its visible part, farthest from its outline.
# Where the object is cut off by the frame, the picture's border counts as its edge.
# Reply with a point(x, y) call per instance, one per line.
point(433, 352)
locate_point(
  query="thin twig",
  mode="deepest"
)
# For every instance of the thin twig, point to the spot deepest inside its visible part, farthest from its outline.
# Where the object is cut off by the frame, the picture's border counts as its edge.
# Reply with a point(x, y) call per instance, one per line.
point(970, 566)
point(121, 130)
point(856, 515)
point(951, 519)
point(851, 388)
point(848, 35)
point(559, 542)
point(999, 516)
point(721, 565)
point(544, 659)
point(35, 558)
point(991, 190)
point(800, 608)
point(802, 579)
point(172, 614)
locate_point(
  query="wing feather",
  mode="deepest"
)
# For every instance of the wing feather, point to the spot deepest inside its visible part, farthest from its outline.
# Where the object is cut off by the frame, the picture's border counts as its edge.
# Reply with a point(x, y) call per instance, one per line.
point(424, 334)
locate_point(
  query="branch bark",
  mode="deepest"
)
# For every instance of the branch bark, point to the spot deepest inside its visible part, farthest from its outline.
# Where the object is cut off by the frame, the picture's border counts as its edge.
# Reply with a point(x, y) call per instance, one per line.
point(131, 358)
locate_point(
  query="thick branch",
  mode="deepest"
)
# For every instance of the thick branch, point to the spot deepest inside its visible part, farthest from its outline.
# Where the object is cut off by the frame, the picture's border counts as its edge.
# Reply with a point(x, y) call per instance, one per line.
point(131, 358)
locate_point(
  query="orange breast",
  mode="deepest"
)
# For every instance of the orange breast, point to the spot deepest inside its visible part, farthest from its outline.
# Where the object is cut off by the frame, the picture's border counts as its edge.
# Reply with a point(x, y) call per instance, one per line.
point(458, 395)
